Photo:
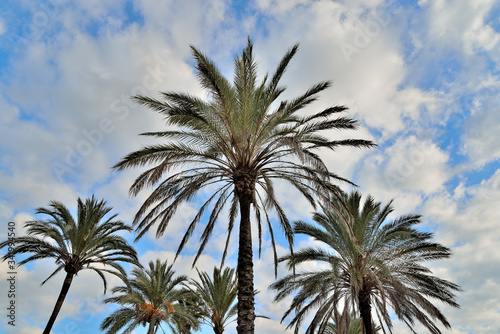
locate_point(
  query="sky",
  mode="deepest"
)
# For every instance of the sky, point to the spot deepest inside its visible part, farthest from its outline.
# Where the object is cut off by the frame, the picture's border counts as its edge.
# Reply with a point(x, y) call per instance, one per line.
point(422, 78)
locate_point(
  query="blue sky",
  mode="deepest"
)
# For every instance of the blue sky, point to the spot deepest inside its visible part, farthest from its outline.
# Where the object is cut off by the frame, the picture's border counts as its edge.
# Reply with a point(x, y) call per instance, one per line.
point(422, 78)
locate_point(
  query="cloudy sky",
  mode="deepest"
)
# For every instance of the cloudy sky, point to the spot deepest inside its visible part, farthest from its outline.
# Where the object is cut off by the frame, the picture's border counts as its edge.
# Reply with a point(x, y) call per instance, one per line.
point(422, 78)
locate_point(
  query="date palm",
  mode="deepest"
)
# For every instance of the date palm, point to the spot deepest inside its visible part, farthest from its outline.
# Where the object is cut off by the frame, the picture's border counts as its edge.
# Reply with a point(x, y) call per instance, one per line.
point(345, 324)
point(381, 268)
point(239, 142)
point(216, 297)
point(91, 242)
point(152, 297)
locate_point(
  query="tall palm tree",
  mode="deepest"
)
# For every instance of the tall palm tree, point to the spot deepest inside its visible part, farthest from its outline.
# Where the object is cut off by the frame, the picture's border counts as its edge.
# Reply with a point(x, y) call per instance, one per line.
point(381, 267)
point(152, 297)
point(89, 242)
point(217, 297)
point(240, 141)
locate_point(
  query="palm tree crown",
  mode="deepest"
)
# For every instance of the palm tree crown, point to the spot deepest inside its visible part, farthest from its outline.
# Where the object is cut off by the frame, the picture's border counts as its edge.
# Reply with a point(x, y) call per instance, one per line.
point(217, 297)
point(239, 141)
point(89, 242)
point(151, 298)
point(382, 266)
point(344, 324)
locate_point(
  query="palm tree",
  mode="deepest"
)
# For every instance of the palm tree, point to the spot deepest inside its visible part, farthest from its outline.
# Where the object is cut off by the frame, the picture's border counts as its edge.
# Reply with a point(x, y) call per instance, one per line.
point(152, 297)
point(381, 268)
point(239, 141)
point(91, 242)
point(345, 324)
point(217, 297)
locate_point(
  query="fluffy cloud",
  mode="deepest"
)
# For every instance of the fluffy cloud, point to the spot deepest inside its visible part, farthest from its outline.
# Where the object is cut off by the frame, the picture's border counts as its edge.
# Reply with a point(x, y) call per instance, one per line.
point(34, 303)
point(482, 130)
point(471, 229)
point(406, 171)
point(461, 22)
point(406, 72)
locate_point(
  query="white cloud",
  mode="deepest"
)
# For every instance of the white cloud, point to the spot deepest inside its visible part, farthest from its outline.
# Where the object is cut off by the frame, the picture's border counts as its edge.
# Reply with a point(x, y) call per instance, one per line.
point(461, 22)
point(263, 277)
point(277, 7)
point(184, 23)
point(35, 303)
point(354, 47)
point(482, 132)
point(471, 229)
point(406, 171)
point(67, 81)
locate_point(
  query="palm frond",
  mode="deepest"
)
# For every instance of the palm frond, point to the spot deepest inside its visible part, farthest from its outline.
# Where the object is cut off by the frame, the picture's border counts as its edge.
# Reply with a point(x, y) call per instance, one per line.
point(383, 257)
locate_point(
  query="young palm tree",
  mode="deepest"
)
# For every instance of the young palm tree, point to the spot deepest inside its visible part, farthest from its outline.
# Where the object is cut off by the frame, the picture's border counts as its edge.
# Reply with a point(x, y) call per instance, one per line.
point(345, 324)
point(91, 242)
point(240, 141)
point(151, 298)
point(381, 268)
point(217, 298)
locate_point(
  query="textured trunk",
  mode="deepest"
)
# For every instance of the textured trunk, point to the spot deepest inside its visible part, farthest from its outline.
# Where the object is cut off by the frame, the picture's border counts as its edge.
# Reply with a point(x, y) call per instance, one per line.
point(246, 309)
point(151, 328)
point(365, 310)
point(218, 325)
point(218, 330)
point(60, 301)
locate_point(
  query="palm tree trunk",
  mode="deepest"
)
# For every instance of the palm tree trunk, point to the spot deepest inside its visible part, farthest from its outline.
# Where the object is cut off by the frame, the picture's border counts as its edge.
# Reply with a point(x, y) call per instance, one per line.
point(151, 328)
point(218, 330)
point(218, 326)
point(60, 301)
point(246, 308)
point(365, 310)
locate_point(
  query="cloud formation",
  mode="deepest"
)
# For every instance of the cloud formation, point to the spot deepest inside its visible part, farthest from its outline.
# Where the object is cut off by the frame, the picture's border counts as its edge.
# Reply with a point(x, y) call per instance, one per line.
point(422, 78)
